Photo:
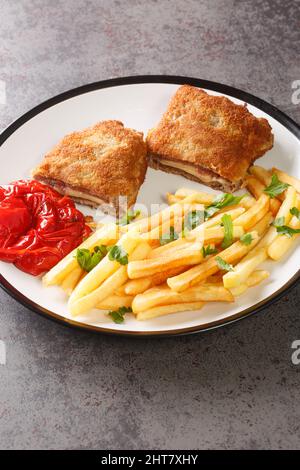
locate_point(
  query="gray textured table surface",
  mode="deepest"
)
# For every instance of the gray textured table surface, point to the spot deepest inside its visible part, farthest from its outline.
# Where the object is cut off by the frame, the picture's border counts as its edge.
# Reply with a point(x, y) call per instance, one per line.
point(231, 388)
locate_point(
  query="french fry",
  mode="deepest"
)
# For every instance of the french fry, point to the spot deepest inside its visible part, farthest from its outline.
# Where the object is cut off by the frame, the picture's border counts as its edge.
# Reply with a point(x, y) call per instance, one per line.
point(105, 268)
point(149, 223)
point(290, 201)
point(172, 199)
point(148, 267)
point(196, 233)
point(117, 278)
point(263, 224)
point(179, 244)
point(234, 213)
point(165, 296)
point(161, 277)
point(208, 236)
point(140, 285)
point(238, 290)
point(114, 302)
point(92, 299)
point(254, 186)
point(255, 278)
point(216, 234)
point(247, 202)
point(254, 214)
point(285, 178)
point(282, 243)
point(261, 174)
point(268, 238)
point(106, 235)
point(265, 176)
point(213, 221)
point(201, 272)
point(261, 228)
point(184, 192)
point(175, 220)
point(141, 251)
point(253, 259)
point(244, 268)
point(215, 279)
point(71, 280)
point(174, 250)
point(195, 196)
point(199, 198)
point(153, 236)
point(166, 309)
point(199, 233)
point(137, 286)
point(120, 291)
point(257, 189)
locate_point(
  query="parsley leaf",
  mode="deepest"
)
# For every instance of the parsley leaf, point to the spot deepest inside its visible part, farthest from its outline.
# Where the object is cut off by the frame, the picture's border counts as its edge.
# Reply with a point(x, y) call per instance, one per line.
point(228, 230)
point(129, 217)
point(208, 250)
point(283, 229)
point(87, 260)
point(192, 220)
point(288, 231)
point(103, 249)
point(226, 199)
point(246, 239)
point(210, 211)
point(168, 236)
point(223, 200)
point(276, 187)
point(223, 265)
point(118, 315)
point(117, 253)
point(294, 211)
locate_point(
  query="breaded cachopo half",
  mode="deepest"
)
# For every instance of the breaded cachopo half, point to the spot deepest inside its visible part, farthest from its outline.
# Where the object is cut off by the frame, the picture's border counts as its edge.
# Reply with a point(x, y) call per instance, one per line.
point(97, 166)
point(208, 139)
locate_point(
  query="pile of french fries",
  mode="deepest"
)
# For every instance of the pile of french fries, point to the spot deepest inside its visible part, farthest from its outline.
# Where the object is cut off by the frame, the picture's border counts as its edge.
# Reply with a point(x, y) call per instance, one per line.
point(177, 276)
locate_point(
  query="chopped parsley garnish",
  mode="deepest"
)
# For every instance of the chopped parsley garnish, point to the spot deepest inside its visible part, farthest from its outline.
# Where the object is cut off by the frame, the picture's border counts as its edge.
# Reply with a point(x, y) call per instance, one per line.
point(246, 239)
point(208, 250)
point(129, 217)
point(168, 236)
point(87, 259)
point(223, 200)
point(283, 229)
point(276, 187)
point(117, 253)
point(223, 265)
point(228, 230)
point(294, 211)
point(118, 315)
point(288, 231)
point(192, 220)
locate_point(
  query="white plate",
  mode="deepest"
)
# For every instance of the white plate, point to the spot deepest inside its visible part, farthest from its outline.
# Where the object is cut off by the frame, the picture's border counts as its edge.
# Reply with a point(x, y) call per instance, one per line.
point(139, 102)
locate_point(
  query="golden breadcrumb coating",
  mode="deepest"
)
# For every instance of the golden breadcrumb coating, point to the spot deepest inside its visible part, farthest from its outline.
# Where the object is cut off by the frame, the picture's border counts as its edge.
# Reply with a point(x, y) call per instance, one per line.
point(210, 132)
point(104, 161)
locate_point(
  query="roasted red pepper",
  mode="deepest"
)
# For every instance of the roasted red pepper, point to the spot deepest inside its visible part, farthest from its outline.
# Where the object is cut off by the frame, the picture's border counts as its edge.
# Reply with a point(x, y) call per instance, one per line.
point(38, 226)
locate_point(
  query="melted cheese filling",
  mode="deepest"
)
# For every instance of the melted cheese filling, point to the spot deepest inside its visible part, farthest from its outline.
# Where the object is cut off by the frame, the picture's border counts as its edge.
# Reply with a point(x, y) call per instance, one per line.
point(79, 194)
point(206, 176)
point(73, 192)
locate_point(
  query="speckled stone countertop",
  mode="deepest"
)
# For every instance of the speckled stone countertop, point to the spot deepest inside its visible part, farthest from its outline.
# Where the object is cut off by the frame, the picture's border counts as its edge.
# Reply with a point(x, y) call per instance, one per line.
point(231, 388)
